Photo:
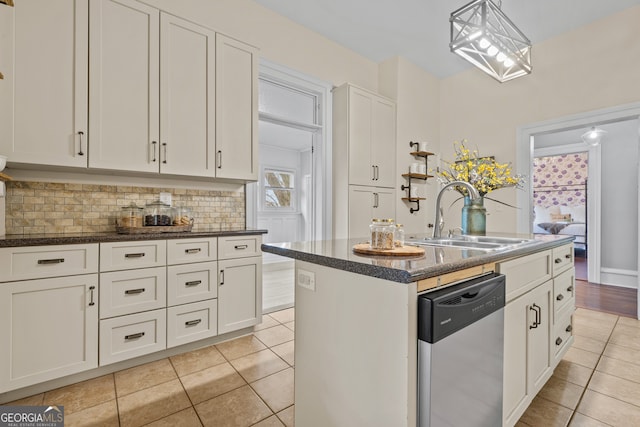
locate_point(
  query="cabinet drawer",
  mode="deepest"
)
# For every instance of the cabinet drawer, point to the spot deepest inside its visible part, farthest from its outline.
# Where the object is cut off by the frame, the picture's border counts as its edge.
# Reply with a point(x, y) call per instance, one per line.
point(562, 258)
point(183, 251)
point(525, 273)
point(132, 291)
point(34, 262)
point(134, 335)
point(192, 322)
point(563, 291)
point(238, 247)
point(127, 255)
point(562, 337)
point(191, 282)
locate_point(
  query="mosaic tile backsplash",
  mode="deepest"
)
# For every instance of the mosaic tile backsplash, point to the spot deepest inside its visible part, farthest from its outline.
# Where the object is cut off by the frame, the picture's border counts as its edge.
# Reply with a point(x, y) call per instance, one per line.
point(41, 207)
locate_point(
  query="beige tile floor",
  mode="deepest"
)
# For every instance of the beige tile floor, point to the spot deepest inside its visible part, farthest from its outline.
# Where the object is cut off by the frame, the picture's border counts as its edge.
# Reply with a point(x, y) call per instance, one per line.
point(249, 382)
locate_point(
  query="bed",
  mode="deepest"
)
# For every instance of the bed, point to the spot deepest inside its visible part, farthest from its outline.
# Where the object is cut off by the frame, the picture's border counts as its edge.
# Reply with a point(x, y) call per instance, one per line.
point(562, 219)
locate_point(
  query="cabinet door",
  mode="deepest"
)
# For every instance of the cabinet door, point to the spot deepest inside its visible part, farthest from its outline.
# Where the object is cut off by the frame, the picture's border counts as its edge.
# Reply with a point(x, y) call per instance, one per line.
point(239, 293)
point(124, 87)
point(361, 168)
point(385, 206)
point(48, 329)
point(538, 339)
point(187, 98)
point(383, 142)
point(515, 392)
point(236, 110)
point(361, 207)
point(49, 78)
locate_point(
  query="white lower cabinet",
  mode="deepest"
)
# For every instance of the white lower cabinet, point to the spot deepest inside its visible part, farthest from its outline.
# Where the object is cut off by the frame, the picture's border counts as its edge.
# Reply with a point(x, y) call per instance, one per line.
point(366, 203)
point(133, 335)
point(192, 322)
point(538, 324)
point(48, 329)
point(239, 293)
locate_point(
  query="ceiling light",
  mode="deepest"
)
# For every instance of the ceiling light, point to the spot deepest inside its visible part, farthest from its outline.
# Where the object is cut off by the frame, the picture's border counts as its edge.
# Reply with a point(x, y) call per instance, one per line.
point(483, 17)
point(593, 136)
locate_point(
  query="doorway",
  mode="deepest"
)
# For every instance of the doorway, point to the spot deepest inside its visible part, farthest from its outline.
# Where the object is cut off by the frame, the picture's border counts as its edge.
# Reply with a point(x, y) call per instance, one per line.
point(612, 191)
point(292, 196)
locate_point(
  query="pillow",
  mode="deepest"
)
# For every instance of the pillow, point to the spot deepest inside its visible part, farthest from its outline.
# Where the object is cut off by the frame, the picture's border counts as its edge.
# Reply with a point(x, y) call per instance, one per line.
point(578, 213)
point(541, 215)
point(561, 217)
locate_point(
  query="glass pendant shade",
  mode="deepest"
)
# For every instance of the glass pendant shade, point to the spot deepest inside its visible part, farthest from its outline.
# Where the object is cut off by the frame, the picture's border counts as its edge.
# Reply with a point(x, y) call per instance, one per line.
point(484, 36)
point(593, 136)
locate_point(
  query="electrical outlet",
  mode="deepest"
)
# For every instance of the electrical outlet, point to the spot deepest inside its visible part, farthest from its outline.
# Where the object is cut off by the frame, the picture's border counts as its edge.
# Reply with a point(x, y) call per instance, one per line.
point(165, 198)
point(307, 279)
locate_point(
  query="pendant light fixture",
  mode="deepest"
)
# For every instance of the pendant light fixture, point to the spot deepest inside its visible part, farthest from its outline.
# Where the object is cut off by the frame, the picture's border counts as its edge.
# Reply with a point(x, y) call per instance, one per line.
point(593, 136)
point(484, 36)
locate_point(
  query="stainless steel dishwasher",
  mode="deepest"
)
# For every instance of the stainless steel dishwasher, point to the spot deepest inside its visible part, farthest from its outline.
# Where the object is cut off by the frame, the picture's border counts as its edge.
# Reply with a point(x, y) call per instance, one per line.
point(460, 354)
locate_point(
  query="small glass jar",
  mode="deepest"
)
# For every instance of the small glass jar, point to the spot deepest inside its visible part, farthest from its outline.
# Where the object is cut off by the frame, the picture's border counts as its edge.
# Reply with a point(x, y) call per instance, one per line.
point(182, 216)
point(158, 213)
point(398, 237)
point(382, 231)
point(130, 216)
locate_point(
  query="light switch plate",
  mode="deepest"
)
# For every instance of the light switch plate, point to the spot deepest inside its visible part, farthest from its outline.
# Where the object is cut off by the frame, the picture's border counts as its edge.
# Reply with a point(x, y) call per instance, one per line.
point(306, 279)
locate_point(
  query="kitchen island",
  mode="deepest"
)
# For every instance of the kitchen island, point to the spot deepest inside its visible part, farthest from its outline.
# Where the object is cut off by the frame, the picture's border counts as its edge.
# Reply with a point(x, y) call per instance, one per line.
point(356, 325)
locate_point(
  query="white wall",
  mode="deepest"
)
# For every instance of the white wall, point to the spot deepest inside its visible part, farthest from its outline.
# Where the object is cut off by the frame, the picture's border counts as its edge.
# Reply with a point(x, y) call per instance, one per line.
point(593, 67)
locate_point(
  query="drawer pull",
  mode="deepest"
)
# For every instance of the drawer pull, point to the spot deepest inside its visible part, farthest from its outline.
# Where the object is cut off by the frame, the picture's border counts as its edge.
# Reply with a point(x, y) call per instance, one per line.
point(568, 256)
point(558, 341)
point(221, 277)
point(92, 288)
point(241, 247)
point(569, 328)
point(138, 255)
point(134, 336)
point(51, 261)
point(558, 260)
point(192, 322)
point(560, 297)
point(570, 288)
point(134, 291)
point(193, 283)
point(192, 251)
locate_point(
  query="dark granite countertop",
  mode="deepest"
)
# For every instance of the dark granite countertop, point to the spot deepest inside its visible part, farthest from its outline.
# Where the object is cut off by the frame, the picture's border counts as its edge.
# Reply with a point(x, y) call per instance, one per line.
point(339, 254)
point(14, 240)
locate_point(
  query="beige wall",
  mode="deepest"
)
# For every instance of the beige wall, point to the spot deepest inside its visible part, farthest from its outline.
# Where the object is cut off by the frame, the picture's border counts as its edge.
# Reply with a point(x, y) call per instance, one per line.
point(593, 67)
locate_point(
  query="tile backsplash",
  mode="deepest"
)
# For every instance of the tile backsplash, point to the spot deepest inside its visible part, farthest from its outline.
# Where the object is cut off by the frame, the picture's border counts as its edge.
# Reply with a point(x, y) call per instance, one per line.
point(44, 207)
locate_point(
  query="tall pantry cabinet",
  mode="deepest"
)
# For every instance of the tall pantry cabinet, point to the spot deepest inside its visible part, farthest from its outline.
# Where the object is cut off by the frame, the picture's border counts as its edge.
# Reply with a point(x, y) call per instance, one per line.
point(120, 85)
point(364, 159)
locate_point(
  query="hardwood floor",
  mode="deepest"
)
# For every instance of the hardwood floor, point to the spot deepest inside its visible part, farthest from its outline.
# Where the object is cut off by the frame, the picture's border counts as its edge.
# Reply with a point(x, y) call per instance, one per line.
point(609, 299)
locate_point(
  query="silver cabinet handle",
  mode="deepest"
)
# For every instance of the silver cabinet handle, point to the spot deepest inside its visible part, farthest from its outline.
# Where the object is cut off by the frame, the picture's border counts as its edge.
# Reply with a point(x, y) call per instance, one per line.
point(192, 251)
point(221, 277)
point(134, 336)
point(134, 291)
point(193, 283)
point(51, 261)
point(240, 247)
point(80, 134)
point(569, 328)
point(153, 145)
point(558, 260)
point(92, 288)
point(164, 149)
point(192, 322)
point(138, 255)
point(558, 341)
point(536, 322)
point(377, 173)
point(570, 288)
point(219, 159)
point(568, 256)
point(560, 297)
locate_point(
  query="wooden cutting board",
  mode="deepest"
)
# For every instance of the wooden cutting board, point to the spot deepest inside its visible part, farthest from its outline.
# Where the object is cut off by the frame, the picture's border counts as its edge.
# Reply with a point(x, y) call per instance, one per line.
point(363, 248)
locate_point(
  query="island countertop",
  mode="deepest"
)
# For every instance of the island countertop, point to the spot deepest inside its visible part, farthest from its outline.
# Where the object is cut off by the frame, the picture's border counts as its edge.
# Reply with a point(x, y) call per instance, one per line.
point(435, 261)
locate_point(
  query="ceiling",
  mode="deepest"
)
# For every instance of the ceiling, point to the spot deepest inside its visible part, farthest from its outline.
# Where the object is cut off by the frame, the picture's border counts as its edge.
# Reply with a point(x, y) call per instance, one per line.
point(418, 30)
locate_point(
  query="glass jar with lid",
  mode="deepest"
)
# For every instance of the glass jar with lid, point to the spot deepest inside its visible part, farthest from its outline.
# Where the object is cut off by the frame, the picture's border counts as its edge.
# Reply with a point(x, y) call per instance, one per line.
point(382, 231)
point(158, 213)
point(182, 216)
point(398, 241)
point(130, 216)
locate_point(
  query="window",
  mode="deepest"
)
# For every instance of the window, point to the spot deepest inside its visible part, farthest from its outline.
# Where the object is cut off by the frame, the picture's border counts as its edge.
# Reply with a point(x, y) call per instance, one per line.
point(279, 189)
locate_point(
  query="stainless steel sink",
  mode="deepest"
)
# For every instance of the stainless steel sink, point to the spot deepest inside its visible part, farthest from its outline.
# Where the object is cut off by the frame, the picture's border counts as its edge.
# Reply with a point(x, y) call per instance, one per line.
point(482, 243)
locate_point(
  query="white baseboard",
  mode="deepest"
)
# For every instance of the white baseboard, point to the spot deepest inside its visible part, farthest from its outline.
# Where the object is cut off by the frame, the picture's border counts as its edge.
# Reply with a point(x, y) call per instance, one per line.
point(619, 277)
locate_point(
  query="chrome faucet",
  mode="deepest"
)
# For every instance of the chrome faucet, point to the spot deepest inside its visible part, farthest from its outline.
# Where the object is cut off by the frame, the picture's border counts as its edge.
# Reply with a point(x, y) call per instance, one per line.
point(439, 223)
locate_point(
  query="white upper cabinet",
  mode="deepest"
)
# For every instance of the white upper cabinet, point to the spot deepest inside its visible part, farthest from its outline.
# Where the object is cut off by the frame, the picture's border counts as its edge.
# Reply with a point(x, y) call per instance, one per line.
point(45, 93)
point(124, 87)
point(187, 91)
point(236, 109)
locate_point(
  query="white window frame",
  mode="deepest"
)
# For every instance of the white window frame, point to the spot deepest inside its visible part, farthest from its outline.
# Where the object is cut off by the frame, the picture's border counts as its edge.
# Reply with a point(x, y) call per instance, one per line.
point(294, 208)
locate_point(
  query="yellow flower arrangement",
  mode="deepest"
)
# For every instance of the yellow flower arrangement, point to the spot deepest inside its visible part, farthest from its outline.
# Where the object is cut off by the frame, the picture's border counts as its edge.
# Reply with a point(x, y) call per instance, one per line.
point(484, 173)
